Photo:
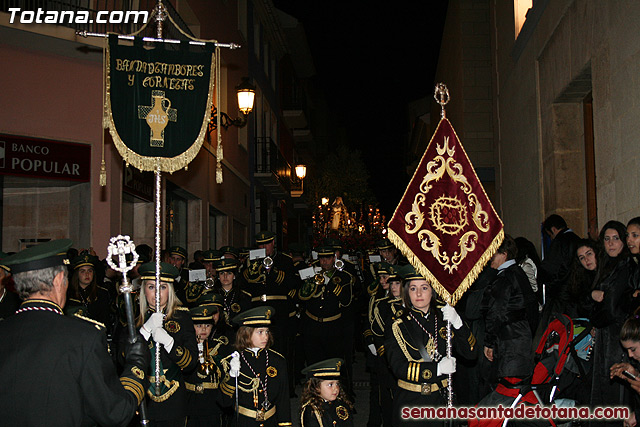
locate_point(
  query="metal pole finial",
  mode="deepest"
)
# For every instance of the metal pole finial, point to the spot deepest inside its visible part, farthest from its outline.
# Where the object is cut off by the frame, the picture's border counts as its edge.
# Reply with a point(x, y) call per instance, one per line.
point(442, 97)
point(161, 16)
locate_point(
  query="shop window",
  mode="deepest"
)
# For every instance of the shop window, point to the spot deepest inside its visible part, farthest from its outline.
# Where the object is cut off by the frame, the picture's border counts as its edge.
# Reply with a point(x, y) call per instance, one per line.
point(33, 208)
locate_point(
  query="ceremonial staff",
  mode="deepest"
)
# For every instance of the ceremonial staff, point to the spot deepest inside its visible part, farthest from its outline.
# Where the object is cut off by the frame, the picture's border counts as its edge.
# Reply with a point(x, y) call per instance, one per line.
point(445, 223)
point(165, 135)
point(121, 246)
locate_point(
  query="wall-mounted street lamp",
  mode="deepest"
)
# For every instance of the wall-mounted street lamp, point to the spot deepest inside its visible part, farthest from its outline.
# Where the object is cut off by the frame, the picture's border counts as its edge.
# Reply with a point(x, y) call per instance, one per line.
point(246, 94)
point(301, 172)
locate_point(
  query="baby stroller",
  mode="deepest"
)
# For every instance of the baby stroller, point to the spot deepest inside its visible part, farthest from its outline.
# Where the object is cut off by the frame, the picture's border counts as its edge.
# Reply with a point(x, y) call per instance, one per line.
point(561, 339)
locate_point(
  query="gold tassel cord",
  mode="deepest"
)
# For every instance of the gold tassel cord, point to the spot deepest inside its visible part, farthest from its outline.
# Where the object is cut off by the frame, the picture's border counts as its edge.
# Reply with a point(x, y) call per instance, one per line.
point(219, 153)
point(103, 166)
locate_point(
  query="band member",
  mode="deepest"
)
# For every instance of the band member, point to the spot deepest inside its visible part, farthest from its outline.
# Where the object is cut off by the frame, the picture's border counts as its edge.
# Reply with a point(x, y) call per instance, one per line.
point(416, 344)
point(234, 300)
point(195, 289)
point(84, 291)
point(385, 311)
point(389, 253)
point(173, 329)
point(177, 256)
point(324, 402)
point(55, 369)
point(325, 298)
point(9, 301)
point(204, 401)
point(259, 373)
point(272, 281)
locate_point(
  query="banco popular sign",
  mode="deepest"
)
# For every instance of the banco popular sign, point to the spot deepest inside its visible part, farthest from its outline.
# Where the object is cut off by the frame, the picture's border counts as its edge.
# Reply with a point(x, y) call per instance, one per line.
point(40, 158)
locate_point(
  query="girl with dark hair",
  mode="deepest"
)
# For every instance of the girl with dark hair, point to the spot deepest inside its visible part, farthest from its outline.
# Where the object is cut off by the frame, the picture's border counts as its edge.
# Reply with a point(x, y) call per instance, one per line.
point(610, 290)
point(583, 272)
point(84, 290)
point(234, 300)
point(259, 373)
point(633, 243)
point(324, 402)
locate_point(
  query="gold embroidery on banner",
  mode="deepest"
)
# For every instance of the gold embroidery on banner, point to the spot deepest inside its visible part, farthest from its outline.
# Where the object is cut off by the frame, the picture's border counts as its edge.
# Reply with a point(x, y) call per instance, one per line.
point(447, 214)
point(158, 116)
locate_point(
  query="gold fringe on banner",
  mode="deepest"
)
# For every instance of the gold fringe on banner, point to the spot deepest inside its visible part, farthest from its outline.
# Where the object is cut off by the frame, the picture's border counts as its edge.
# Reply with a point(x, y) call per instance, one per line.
point(435, 284)
point(167, 164)
point(422, 269)
point(219, 153)
point(103, 166)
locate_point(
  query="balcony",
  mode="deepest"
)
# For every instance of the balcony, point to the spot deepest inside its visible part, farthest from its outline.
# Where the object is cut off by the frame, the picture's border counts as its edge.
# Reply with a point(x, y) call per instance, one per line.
point(272, 171)
point(293, 107)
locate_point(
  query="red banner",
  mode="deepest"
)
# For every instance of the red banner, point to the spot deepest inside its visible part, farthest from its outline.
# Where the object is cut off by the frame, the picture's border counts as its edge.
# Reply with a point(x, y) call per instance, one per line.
point(445, 224)
point(40, 158)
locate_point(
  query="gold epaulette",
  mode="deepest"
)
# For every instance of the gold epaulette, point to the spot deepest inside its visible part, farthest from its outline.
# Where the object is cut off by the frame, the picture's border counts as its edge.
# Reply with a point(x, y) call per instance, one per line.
point(103, 288)
point(99, 326)
point(245, 292)
point(182, 308)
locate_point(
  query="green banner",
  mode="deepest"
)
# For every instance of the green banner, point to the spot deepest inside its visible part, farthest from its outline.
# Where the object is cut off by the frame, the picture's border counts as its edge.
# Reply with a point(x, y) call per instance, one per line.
point(158, 102)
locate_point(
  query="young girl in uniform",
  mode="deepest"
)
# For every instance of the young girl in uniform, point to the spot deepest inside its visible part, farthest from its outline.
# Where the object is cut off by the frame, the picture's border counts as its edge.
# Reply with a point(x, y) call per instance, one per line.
point(259, 373)
point(324, 403)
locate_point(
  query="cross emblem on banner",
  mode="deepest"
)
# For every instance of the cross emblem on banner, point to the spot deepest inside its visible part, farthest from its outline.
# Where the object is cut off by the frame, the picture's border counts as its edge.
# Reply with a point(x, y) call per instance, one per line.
point(157, 116)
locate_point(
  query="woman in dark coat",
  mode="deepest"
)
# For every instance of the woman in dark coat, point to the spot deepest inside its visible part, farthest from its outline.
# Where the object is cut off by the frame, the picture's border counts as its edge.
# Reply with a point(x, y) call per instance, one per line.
point(610, 292)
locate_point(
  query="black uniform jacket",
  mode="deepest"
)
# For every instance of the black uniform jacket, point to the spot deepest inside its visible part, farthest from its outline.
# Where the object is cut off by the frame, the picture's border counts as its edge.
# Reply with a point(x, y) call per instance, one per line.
point(330, 299)
point(274, 287)
point(402, 340)
point(55, 371)
point(203, 386)
point(234, 301)
point(183, 358)
point(267, 368)
point(335, 413)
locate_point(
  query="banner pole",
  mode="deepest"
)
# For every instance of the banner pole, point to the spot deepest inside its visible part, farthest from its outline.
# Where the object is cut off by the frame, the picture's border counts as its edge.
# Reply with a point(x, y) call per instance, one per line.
point(157, 253)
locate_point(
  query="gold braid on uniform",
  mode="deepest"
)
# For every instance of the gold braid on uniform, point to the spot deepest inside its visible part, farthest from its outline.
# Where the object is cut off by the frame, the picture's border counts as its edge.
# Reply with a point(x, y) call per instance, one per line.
point(402, 343)
point(309, 406)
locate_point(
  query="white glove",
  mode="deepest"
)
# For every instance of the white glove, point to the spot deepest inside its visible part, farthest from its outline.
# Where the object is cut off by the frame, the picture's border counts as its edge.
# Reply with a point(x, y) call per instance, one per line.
point(447, 366)
point(234, 365)
point(372, 349)
point(450, 314)
point(162, 337)
point(154, 322)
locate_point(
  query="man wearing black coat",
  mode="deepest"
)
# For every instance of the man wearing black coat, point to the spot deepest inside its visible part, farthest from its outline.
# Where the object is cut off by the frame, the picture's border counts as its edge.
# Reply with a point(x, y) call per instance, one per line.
point(55, 369)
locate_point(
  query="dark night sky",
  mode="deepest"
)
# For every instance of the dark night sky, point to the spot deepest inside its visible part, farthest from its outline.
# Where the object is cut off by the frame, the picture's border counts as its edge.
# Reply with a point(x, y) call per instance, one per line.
point(384, 57)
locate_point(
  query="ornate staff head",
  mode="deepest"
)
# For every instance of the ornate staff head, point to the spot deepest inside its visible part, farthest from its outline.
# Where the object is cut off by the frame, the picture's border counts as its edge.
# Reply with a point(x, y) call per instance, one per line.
point(121, 246)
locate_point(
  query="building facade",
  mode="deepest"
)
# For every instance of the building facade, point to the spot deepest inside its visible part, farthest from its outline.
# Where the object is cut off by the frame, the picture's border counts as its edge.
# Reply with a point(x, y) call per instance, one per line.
point(560, 117)
point(51, 139)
